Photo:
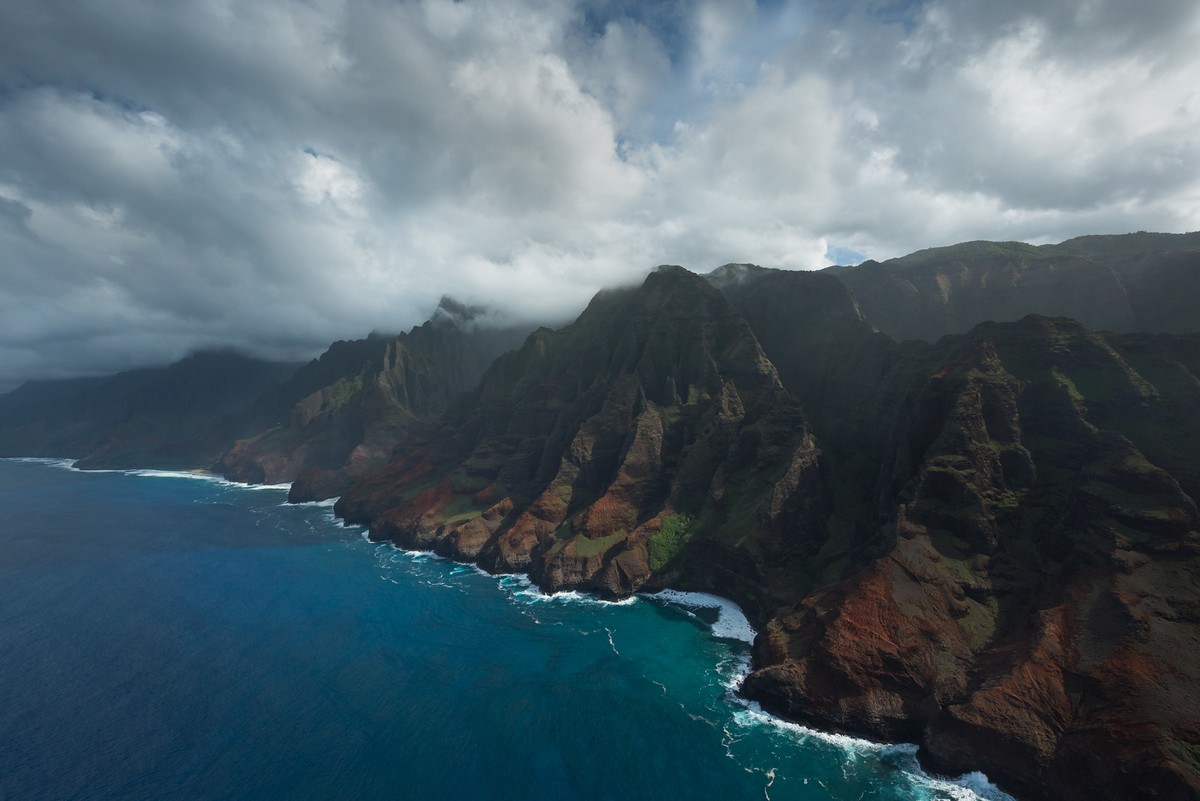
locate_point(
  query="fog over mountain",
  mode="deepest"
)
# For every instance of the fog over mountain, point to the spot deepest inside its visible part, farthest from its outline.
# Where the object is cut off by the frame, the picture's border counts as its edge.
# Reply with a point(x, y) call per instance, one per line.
point(273, 176)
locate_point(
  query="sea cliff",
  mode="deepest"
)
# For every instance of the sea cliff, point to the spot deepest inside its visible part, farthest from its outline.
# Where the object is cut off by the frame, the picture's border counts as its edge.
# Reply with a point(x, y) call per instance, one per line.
point(987, 545)
point(957, 515)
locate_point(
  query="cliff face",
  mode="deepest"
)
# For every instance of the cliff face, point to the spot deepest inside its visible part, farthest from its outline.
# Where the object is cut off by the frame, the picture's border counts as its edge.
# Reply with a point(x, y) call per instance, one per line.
point(1130, 283)
point(853, 382)
point(343, 414)
point(649, 442)
point(1037, 613)
point(179, 416)
point(988, 545)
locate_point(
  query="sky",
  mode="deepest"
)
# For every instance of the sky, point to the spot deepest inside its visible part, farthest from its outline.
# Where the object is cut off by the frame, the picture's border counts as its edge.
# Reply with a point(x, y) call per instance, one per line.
point(272, 176)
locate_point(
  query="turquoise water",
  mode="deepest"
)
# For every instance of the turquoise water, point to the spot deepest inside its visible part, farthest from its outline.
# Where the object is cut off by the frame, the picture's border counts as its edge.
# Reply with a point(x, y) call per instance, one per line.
point(168, 636)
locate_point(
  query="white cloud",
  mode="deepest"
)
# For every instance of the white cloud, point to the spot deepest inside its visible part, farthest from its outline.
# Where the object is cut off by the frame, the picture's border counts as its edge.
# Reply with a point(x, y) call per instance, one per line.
point(277, 175)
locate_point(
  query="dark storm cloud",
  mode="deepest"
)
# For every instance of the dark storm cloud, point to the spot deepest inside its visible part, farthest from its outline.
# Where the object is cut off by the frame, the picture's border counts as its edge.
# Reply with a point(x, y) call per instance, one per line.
point(274, 175)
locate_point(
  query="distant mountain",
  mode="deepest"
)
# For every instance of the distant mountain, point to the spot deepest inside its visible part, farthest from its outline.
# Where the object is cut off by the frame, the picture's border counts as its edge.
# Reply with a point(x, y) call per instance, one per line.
point(179, 416)
point(1129, 283)
point(320, 425)
point(343, 414)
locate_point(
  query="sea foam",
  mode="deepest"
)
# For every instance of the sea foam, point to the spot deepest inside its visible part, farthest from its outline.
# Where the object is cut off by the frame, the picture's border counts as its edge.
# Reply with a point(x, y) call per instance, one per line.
point(731, 624)
point(201, 475)
point(197, 475)
point(973, 786)
point(65, 464)
point(523, 588)
point(193, 475)
point(327, 503)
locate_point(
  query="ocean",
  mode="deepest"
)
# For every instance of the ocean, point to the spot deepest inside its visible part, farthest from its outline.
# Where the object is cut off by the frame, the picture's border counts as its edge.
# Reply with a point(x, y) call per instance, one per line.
point(168, 635)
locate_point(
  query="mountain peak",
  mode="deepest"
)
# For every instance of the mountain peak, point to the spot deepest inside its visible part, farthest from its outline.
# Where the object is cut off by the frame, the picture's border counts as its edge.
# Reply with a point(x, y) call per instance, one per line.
point(732, 274)
point(457, 313)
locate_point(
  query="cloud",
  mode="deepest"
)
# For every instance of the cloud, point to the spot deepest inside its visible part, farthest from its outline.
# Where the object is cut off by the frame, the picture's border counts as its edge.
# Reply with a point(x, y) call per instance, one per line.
point(275, 175)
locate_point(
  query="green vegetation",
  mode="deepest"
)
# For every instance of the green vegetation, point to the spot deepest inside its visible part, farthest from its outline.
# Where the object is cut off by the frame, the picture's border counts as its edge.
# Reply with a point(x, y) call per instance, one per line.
point(1072, 390)
point(1188, 752)
point(979, 622)
point(460, 510)
point(667, 543)
point(1143, 505)
point(586, 546)
point(342, 392)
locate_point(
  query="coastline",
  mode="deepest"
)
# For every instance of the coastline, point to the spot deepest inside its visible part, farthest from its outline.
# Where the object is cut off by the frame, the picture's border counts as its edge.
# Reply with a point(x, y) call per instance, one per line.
point(731, 624)
point(971, 783)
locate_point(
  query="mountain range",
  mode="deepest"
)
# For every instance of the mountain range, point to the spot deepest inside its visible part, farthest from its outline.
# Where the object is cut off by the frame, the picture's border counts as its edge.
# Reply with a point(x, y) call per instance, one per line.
point(957, 491)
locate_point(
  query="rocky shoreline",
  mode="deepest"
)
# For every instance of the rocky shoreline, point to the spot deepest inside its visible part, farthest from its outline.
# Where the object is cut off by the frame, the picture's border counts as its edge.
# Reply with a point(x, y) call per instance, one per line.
point(745, 632)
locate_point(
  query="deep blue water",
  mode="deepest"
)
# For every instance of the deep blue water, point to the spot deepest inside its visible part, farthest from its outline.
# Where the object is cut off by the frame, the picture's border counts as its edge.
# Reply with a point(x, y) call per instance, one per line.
point(164, 636)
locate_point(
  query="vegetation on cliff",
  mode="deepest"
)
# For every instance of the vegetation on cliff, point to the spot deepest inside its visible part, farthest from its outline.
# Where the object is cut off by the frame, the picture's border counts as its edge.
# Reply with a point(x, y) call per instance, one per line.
point(1038, 604)
point(1139, 282)
point(343, 414)
point(577, 450)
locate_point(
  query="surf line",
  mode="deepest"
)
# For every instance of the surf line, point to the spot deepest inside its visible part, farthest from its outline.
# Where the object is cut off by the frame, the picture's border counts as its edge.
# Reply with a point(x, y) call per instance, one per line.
point(731, 624)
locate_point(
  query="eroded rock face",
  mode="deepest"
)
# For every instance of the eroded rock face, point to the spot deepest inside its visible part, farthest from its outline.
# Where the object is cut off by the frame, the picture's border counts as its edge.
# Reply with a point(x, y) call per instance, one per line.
point(1014, 585)
point(592, 456)
point(1040, 603)
point(989, 545)
point(343, 415)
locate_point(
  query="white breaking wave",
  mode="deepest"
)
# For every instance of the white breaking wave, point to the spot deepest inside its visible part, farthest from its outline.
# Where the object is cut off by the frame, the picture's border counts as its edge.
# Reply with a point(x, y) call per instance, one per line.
point(198, 475)
point(973, 786)
point(194, 475)
point(731, 624)
point(528, 591)
point(66, 464)
point(520, 586)
point(328, 502)
point(752, 714)
point(201, 475)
